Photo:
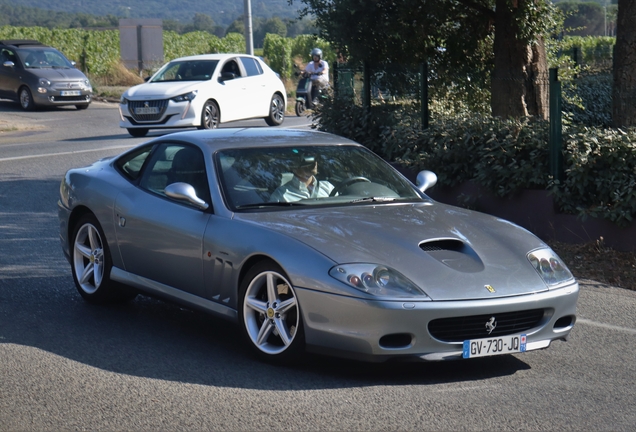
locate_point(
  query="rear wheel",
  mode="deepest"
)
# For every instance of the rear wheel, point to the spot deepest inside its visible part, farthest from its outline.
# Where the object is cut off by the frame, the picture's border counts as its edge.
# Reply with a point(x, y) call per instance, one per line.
point(26, 99)
point(210, 116)
point(91, 264)
point(276, 111)
point(269, 314)
point(137, 132)
point(300, 107)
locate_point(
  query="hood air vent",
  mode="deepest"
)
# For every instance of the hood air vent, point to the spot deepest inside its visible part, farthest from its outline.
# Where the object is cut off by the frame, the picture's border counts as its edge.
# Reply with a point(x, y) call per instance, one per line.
point(455, 254)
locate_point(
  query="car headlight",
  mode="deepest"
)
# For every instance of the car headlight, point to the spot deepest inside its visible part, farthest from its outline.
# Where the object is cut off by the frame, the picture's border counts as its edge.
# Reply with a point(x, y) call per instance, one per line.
point(185, 97)
point(550, 267)
point(87, 84)
point(123, 100)
point(44, 83)
point(377, 280)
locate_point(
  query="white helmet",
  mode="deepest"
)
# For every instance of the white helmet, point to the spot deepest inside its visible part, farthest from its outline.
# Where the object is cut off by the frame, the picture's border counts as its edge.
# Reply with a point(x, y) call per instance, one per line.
point(316, 52)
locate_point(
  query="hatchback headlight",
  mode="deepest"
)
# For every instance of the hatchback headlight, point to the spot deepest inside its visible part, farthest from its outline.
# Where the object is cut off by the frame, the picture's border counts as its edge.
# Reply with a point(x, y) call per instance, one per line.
point(377, 280)
point(550, 267)
point(185, 97)
point(123, 100)
point(44, 83)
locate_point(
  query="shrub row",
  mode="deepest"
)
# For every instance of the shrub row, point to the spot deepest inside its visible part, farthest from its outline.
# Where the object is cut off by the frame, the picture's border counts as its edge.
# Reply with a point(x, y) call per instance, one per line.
point(504, 156)
point(97, 51)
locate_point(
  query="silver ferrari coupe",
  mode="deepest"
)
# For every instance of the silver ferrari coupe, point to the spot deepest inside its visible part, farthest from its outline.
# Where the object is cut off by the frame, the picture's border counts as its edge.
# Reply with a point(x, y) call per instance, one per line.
point(310, 242)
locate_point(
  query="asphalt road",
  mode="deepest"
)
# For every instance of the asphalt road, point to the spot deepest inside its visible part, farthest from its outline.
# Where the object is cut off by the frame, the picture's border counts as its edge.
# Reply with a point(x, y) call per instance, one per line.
point(149, 365)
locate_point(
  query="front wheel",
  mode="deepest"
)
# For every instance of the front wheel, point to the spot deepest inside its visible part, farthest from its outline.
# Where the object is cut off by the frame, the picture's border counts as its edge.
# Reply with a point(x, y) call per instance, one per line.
point(300, 107)
point(276, 111)
point(269, 314)
point(91, 264)
point(137, 132)
point(26, 99)
point(210, 116)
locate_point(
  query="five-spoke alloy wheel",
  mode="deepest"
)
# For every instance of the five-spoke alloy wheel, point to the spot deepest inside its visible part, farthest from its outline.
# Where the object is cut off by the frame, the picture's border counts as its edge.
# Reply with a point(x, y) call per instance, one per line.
point(270, 314)
point(276, 111)
point(210, 116)
point(91, 264)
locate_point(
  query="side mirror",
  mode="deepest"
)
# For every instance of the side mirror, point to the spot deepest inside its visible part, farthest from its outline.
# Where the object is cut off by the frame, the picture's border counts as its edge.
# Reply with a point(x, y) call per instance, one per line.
point(226, 76)
point(8, 63)
point(425, 180)
point(185, 192)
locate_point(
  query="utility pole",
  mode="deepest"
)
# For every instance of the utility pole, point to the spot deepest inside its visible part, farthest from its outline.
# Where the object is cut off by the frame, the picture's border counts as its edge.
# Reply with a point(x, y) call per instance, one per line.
point(247, 16)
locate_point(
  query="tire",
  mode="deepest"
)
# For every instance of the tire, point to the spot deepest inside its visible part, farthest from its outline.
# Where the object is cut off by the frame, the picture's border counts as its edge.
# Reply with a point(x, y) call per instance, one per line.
point(210, 116)
point(138, 132)
point(269, 315)
point(276, 111)
point(91, 264)
point(26, 99)
point(300, 107)
point(82, 106)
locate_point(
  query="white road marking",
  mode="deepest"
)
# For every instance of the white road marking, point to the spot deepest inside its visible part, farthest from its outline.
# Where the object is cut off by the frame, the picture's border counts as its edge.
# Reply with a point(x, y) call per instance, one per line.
point(66, 153)
point(606, 326)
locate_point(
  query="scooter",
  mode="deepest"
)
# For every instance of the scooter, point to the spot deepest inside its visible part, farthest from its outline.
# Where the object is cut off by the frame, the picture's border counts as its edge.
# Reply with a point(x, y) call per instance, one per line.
point(303, 94)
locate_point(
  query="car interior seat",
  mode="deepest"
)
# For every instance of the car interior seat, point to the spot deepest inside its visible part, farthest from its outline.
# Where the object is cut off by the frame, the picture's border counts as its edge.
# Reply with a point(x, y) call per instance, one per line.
point(188, 167)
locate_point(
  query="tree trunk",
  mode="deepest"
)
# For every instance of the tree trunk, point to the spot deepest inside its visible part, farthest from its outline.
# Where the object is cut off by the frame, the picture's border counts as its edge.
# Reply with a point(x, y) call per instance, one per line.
point(520, 77)
point(624, 90)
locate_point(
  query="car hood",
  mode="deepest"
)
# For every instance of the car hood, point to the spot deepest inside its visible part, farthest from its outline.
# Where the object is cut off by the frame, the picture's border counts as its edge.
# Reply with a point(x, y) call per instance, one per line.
point(59, 74)
point(161, 90)
point(451, 253)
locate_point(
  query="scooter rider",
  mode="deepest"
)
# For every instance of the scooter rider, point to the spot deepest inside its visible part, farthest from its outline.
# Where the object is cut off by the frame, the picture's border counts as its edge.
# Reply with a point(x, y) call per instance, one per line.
point(318, 72)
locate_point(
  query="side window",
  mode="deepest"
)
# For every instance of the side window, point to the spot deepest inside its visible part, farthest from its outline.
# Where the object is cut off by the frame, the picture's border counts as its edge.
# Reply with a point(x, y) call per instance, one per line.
point(7, 55)
point(131, 163)
point(252, 67)
point(232, 67)
point(172, 163)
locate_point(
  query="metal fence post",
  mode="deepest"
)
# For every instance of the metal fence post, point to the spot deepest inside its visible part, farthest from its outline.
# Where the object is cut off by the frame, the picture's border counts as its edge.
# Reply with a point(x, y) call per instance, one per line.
point(556, 127)
point(366, 86)
point(424, 94)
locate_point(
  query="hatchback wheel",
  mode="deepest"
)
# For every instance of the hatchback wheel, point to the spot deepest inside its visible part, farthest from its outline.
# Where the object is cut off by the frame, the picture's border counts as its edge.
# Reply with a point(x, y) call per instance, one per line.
point(137, 132)
point(270, 314)
point(276, 111)
point(26, 99)
point(210, 116)
point(91, 264)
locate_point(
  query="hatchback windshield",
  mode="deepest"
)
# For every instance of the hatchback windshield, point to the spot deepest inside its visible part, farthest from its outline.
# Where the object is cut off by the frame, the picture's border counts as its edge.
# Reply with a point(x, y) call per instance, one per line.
point(308, 175)
point(193, 70)
point(43, 58)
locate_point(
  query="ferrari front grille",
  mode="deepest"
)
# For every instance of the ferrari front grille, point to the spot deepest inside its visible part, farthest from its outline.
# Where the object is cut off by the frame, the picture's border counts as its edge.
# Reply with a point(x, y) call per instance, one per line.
point(459, 329)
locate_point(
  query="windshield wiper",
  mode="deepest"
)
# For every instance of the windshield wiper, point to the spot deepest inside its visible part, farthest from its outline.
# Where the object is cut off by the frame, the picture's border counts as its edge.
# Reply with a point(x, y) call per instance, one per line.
point(373, 199)
point(270, 204)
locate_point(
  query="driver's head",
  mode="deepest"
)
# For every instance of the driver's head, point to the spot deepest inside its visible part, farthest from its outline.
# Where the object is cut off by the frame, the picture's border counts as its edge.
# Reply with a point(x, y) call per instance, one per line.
point(306, 168)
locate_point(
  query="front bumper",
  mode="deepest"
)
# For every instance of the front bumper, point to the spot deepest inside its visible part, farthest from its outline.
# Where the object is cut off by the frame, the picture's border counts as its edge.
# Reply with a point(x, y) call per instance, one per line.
point(162, 114)
point(57, 96)
point(382, 330)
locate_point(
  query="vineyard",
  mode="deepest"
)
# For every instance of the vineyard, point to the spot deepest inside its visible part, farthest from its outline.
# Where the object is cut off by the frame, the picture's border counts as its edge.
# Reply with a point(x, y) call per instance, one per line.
point(97, 52)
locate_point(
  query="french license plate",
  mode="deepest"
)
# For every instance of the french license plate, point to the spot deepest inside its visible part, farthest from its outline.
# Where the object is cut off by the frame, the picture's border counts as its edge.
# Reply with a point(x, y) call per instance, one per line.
point(494, 346)
point(70, 93)
point(147, 110)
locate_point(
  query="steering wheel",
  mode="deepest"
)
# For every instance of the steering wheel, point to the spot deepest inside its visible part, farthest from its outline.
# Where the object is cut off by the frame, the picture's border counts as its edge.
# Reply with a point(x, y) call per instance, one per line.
point(346, 183)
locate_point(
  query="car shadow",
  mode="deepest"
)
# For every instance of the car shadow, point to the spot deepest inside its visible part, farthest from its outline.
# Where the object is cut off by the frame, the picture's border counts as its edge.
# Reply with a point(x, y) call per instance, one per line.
point(150, 338)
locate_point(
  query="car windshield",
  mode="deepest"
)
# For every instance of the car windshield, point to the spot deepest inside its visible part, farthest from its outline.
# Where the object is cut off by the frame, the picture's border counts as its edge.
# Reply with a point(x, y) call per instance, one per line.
point(43, 58)
point(283, 177)
point(188, 70)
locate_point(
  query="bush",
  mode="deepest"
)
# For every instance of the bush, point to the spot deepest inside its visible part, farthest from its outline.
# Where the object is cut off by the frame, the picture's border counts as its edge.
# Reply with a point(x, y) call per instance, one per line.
point(503, 156)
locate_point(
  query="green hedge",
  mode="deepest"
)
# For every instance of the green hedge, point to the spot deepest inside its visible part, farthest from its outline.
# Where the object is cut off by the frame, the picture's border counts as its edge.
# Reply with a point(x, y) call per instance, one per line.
point(504, 156)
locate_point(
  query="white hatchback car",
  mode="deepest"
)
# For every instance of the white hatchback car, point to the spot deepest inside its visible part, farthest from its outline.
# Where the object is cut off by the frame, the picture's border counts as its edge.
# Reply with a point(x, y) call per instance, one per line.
point(203, 91)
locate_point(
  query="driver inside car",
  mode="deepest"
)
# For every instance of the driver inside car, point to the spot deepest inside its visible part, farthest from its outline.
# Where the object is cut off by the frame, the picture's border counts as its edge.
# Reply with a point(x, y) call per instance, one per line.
point(303, 184)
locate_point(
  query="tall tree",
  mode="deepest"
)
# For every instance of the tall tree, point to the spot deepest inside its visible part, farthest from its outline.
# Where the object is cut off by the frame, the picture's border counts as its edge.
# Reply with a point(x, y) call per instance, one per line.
point(624, 90)
point(414, 30)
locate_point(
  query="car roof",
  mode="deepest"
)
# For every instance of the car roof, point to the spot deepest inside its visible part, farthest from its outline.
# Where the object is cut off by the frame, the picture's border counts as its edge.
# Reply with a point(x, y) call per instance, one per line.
point(212, 56)
point(225, 138)
point(22, 43)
